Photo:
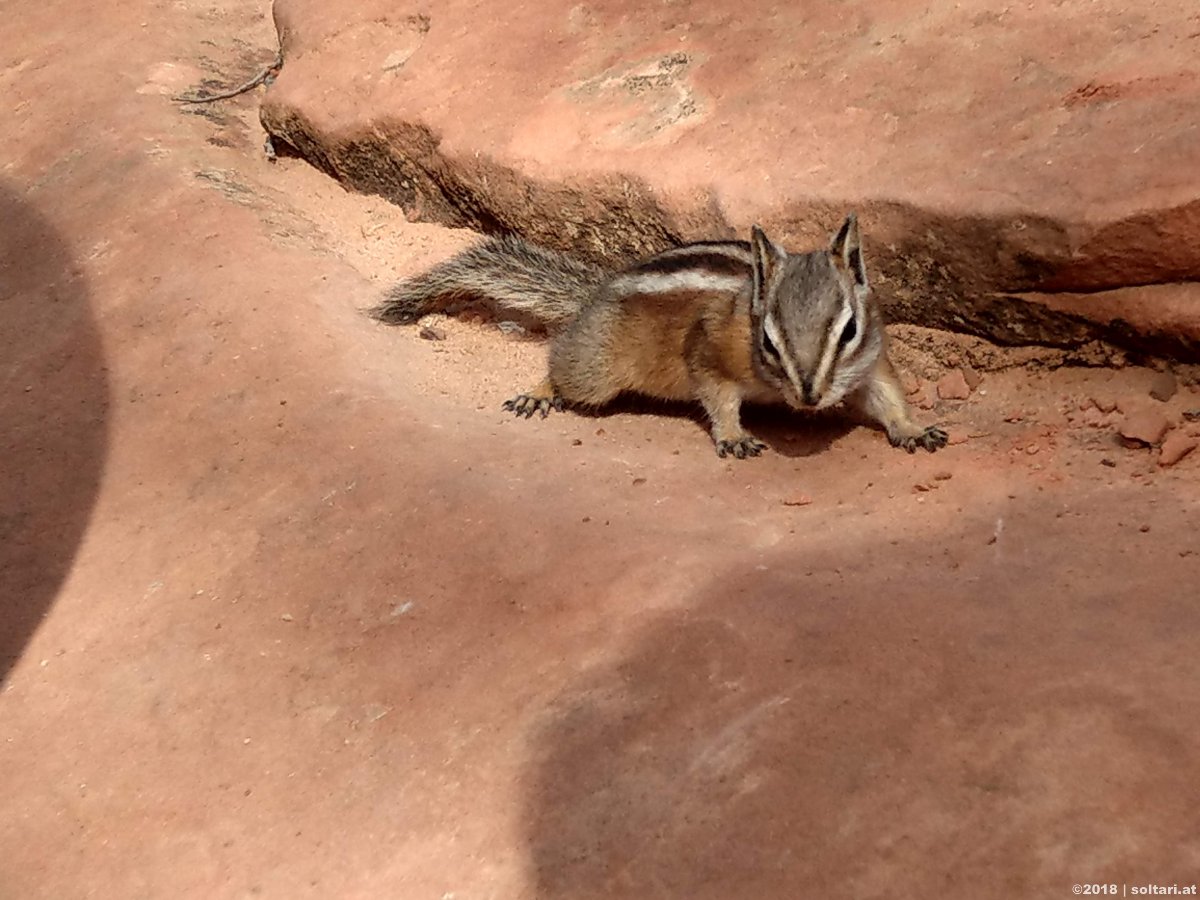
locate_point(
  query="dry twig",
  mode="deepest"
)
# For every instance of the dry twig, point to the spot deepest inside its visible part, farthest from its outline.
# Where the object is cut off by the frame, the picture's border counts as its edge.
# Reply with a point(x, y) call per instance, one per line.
point(264, 77)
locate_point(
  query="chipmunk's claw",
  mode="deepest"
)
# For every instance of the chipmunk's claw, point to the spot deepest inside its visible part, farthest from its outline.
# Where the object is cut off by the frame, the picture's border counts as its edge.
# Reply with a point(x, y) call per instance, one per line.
point(526, 405)
point(740, 448)
point(932, 438)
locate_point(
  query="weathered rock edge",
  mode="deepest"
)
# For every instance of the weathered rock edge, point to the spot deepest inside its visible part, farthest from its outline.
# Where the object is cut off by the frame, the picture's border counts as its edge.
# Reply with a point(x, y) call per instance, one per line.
point(958, 273)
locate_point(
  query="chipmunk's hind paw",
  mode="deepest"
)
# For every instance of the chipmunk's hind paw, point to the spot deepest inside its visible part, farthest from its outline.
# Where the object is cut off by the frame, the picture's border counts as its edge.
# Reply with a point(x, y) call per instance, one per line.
point(527, 404)
point(741, 448)
point(932, 438)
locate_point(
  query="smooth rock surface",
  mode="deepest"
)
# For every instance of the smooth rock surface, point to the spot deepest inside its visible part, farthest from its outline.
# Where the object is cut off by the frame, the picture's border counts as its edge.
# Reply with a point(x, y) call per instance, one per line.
point(991, 153)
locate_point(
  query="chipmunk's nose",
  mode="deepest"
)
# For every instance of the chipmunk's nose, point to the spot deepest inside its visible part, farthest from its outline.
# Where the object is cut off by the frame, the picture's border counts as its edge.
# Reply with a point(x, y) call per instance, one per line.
point(808, 393)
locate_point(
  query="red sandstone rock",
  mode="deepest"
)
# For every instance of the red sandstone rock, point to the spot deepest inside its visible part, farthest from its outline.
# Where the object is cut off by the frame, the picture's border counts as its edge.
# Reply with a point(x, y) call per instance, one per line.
point(1164, 386)
point(140, 474)
point(926, 396)
point(1149, 309)
point(1074, 173)
point(1176, 446)
point(1145, 426)
point(953, 386)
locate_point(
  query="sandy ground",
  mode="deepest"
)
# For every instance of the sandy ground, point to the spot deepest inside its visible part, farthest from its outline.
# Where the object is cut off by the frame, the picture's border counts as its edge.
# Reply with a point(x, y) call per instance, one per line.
point(293, 609)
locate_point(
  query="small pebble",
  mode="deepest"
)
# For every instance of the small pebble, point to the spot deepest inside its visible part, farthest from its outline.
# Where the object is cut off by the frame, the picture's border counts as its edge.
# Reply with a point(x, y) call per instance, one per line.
point(798, 500)
point(1176, 447)
point(926, 395)
point(953, 386)
point(1164, 386)
point(429, 333)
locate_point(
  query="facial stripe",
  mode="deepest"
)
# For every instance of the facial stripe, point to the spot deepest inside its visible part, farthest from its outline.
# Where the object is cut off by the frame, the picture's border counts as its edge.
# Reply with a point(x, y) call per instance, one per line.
point(786, 358)
point(829, 356)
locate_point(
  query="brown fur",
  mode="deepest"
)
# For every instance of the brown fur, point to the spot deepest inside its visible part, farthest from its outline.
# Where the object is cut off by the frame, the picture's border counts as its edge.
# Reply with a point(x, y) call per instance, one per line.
point(689, 325)
point(882, 400)
point(678, 345)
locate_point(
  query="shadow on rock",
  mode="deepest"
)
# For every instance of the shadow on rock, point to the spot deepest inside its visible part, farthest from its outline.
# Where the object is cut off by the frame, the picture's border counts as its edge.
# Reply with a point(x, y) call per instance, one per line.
point(53, 411)
point(786, 432)
point(928, 718)
point(797, 434)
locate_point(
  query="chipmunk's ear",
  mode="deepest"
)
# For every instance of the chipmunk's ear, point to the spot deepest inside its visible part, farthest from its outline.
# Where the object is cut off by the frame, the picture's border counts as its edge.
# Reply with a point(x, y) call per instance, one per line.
point(767, 257)
point(846, 250)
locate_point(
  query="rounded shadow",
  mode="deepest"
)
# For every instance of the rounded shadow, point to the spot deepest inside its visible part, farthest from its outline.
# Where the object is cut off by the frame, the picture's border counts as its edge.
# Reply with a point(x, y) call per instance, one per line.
point(53, 415)
point(934, 715)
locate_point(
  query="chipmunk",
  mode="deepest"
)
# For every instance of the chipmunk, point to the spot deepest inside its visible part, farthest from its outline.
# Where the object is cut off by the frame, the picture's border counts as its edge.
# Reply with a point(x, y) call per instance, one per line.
point(718, 322)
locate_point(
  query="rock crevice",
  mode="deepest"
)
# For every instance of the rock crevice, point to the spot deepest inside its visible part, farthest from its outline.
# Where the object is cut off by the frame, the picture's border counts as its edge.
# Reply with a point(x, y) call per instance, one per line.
point(965, 229)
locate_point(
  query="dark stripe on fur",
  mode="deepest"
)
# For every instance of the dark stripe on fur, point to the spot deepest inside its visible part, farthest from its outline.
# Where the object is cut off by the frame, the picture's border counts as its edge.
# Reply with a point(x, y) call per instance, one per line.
point(713, 263)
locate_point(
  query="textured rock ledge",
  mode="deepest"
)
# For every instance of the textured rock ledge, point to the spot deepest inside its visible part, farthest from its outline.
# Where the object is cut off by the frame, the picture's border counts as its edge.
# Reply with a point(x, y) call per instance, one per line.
point(1031, 176)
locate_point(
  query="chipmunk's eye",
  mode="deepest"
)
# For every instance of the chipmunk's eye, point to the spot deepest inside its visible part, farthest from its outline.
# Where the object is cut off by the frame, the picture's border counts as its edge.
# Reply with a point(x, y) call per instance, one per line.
point(769, 349)
point(848, 333)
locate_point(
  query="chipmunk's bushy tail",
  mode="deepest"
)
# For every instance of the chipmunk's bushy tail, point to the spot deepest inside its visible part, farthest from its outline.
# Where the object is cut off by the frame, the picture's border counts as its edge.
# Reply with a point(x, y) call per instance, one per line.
point(505, 272)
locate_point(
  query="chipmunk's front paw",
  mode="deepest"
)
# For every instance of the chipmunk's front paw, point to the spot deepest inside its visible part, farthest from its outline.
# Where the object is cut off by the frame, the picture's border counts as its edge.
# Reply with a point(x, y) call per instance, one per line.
point(741, 447)
point(527, 404)
point(932, 438)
